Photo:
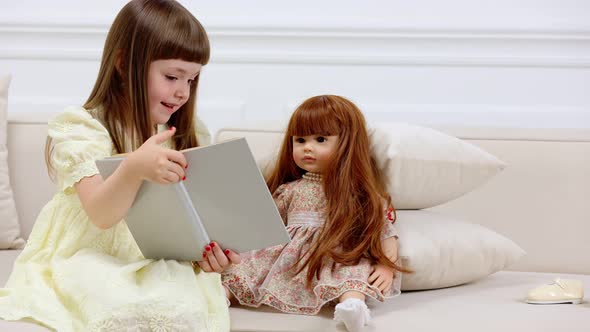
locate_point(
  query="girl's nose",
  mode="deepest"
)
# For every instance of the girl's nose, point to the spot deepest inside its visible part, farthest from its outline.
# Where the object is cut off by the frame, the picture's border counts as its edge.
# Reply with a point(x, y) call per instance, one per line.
point(182, 92)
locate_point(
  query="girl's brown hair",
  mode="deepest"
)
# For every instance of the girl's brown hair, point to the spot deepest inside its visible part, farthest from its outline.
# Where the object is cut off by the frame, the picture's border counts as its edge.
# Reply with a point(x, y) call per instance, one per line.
point(355, 193)
point(144, 31)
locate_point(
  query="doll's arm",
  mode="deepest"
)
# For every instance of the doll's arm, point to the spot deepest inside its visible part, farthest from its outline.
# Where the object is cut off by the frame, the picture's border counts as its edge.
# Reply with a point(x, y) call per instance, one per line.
point(390, 248)
point(382, 275)
point(282, 197)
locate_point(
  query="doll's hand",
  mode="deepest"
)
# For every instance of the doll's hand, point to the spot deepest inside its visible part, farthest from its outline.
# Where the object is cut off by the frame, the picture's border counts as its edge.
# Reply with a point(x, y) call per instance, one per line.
point(155, 163)
point(391, 248)
point(217, 260)
point(382, 278)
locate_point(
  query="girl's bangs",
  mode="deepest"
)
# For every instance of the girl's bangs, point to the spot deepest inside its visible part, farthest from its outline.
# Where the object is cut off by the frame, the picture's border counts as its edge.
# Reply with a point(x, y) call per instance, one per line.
point(178, 41)
point(313, 118)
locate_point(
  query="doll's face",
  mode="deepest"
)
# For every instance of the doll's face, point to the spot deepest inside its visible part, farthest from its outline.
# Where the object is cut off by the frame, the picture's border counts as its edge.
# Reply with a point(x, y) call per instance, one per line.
point(314, 153)
point(169, 84)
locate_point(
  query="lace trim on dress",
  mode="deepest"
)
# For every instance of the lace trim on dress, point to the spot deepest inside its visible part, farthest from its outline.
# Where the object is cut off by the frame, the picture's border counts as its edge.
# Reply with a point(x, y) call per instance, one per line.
point(156, 318)
point(81, 170)
point(325, 294)
point(313, 219)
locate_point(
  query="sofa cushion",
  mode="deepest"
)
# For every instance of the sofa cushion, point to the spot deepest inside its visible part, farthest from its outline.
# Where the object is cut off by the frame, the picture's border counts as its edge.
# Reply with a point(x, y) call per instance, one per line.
point(443, 251)
point(501, 295)
point(7, 258)
point(424, 167)
point(9, 227)
point(492, 304)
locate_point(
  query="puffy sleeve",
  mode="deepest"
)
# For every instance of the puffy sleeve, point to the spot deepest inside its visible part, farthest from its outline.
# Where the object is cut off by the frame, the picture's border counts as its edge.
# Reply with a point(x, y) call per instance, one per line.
point(202, 133)
point(282, 197)
point(389, 229)
point(78, 140)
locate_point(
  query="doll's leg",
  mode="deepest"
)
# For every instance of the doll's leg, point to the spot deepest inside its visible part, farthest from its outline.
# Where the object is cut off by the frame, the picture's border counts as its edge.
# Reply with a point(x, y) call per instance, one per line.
point(352, 295)
point(352, 311)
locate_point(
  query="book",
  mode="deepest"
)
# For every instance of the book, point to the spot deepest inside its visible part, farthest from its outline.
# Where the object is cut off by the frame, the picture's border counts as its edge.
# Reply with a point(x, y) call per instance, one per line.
point(224, 199)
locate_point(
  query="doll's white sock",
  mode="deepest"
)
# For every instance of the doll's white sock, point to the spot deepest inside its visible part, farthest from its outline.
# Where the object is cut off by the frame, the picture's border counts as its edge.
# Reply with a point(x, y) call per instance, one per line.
point(353, 313)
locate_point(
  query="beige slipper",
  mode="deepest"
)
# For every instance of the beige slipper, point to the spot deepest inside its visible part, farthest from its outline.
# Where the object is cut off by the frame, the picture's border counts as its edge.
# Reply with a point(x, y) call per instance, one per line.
point(559, 291)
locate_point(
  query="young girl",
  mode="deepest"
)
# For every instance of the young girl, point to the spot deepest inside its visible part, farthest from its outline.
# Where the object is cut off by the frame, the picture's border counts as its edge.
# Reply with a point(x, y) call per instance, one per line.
point(81, 270)
point(343, 244)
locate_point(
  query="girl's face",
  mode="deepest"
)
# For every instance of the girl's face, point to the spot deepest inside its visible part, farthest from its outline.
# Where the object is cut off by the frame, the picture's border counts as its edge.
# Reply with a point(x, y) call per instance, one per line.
point(313, 153)
point(169, 86)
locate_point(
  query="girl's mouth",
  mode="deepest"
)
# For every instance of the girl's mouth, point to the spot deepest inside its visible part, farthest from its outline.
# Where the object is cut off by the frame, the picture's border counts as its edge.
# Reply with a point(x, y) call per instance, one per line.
point(170, 107)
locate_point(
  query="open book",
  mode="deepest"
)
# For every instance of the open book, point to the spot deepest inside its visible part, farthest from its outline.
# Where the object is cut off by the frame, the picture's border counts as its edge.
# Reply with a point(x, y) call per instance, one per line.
point(224, 199)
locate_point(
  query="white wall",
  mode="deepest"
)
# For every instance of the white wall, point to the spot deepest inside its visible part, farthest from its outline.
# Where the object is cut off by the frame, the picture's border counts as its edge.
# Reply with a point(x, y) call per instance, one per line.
point(493, 63)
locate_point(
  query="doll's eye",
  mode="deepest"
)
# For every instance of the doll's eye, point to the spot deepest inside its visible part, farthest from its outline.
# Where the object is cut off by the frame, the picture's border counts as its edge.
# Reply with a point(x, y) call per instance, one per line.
point(321, 139)
point(299, 140)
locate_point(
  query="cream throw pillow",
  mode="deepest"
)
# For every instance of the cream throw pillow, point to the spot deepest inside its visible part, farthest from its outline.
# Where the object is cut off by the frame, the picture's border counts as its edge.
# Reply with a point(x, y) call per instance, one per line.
point(443, 251)
point(9, 227)
point(424, 167)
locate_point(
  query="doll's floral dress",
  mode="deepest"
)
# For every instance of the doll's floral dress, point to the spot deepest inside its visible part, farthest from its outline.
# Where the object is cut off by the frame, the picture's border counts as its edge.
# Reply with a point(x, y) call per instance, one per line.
point(265, 276)
point(73, 276)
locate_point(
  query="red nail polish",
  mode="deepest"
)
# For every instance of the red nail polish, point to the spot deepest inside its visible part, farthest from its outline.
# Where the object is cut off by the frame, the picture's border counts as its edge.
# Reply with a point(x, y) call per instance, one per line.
point(184, 178)
point(226, 252)
point(186, 167)
point(212, 244)
point(170, 128)
point(204, 254)
point(208, 248)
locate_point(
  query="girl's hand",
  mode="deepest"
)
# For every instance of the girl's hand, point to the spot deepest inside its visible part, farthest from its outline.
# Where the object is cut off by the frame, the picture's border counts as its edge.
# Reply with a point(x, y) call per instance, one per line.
point(155, 163)
point(217, 260)
point(382, 278)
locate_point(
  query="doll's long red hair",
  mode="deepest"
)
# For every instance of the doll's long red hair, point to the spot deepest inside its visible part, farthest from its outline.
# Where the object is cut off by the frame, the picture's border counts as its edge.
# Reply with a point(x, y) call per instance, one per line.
point(355, 193)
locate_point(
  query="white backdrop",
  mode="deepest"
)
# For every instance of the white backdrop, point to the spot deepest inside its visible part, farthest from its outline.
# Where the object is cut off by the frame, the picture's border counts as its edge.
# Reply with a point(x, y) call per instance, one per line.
point(458, 62)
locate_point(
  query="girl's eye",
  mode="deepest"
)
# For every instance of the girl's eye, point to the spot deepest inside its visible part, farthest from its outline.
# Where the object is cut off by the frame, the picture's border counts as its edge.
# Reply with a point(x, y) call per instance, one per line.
point(170, 77)
point(299, 140)
point(321, 139)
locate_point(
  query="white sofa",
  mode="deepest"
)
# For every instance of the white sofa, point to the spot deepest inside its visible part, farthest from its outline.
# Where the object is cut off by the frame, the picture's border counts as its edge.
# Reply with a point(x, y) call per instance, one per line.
point(540, 202)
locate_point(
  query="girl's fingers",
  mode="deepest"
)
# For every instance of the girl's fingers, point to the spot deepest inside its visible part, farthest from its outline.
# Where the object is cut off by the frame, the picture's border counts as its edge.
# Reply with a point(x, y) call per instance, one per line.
point(171, 173)
point(219, 255)
point(176, 157)
point(235, 258)
point(169, 177)
point(177, 170)
point(163, 136)
point(212, 260)
point(216, 259)
point(205, 266)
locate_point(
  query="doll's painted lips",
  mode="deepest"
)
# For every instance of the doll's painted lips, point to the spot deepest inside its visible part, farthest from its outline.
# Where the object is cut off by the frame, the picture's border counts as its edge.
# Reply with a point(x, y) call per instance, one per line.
point(308, 159)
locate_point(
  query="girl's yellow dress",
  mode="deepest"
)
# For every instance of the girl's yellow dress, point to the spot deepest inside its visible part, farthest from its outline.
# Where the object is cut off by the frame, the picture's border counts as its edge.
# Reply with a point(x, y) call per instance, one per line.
point(73, 276)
